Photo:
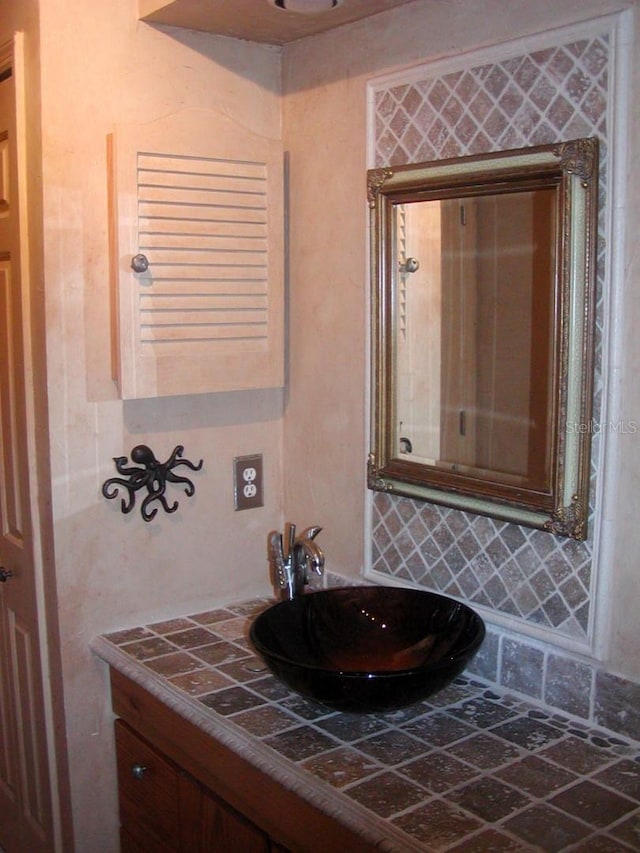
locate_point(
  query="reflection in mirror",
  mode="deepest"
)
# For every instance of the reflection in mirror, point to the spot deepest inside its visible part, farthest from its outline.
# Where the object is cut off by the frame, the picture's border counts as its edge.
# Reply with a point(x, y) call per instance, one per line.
point(482, 332)
point(475, 333)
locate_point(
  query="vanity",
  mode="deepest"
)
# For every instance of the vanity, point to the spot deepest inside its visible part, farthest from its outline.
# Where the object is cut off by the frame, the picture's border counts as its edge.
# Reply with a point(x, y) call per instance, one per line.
point(191, 780)
point(181, 789)
point(215, 753)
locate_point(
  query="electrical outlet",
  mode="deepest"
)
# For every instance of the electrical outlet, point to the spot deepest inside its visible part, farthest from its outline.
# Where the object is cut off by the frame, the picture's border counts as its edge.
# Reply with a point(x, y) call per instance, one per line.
point(247, 481)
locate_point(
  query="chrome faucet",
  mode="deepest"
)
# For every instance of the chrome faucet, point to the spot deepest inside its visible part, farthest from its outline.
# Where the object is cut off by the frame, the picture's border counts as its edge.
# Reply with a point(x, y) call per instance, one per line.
point(293, 557)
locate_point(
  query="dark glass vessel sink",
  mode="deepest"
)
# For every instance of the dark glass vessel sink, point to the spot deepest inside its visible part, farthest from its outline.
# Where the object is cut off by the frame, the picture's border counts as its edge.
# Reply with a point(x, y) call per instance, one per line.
point(368, 648)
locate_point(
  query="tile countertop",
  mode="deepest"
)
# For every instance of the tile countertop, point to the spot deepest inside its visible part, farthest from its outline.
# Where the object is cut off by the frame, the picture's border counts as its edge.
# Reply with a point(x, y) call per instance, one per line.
point(466, 770)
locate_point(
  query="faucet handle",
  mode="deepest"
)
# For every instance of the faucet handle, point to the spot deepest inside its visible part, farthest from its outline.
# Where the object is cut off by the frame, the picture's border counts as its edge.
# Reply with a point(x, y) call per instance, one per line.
point(276, 557)
point(290, 538)
point(310, 532)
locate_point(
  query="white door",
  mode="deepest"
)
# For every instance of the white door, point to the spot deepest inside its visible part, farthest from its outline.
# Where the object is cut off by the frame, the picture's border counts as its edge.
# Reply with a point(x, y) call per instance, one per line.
point(26, 815)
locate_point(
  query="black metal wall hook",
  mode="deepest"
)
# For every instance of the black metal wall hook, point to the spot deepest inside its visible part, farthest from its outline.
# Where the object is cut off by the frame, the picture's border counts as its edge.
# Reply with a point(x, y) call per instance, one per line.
point(153, 475)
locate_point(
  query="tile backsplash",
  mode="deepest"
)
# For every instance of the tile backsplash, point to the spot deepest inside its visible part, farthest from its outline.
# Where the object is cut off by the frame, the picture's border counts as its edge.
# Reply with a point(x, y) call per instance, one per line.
point(536, 591)
point(556, 92)
point(527, 574)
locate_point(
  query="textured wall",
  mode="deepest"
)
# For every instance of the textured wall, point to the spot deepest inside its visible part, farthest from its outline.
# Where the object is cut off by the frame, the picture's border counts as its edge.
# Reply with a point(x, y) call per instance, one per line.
point(100, 68)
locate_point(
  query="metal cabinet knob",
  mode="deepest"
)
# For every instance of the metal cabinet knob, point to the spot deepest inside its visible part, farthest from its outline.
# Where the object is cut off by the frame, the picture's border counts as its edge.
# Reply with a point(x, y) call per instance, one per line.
point(5, 574)
point(138, 771)
point(410, 265)
point(140, 263)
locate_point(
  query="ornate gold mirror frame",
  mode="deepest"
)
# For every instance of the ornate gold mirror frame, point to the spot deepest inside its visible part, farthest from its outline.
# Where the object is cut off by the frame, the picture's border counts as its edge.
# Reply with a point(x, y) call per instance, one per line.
point(559, 501)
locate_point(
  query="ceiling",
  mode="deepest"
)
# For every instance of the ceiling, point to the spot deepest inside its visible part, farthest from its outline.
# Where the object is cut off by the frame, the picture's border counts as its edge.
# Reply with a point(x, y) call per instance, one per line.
point(257, 20)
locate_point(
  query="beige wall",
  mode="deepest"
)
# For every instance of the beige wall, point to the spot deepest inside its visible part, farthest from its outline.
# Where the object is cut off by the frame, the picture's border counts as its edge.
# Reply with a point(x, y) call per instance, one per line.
point(100, 67)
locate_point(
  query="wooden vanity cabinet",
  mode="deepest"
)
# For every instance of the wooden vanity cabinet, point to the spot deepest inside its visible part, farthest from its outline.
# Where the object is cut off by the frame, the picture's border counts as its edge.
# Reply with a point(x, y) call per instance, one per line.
point(182, 790)
point(148, 788)
point(162, 808)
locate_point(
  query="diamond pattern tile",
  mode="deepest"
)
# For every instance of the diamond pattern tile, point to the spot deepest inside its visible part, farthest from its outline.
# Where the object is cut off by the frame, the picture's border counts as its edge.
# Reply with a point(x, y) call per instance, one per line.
point(556, 93)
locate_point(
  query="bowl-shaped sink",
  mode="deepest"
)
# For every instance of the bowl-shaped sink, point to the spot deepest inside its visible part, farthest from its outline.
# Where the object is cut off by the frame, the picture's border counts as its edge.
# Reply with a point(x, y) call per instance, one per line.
point(368, 648)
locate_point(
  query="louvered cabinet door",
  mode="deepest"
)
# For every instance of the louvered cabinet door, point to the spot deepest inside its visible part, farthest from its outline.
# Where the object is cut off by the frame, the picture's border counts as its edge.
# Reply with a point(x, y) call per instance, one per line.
point(200, 200)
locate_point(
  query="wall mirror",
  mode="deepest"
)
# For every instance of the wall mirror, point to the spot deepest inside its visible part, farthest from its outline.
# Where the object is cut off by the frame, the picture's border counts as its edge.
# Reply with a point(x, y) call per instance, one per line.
point(482, 332)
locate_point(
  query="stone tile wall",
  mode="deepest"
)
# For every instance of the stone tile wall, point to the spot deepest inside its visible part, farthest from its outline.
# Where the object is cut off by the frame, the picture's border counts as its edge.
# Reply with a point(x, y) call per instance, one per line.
point(536, 584)
point(558, 681)
point(557, 92)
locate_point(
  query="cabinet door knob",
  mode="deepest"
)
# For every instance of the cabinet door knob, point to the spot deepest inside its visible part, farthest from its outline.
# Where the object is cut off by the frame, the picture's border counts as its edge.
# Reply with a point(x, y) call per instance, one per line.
point(139, 263)
point(138, 771)
point(5, 574)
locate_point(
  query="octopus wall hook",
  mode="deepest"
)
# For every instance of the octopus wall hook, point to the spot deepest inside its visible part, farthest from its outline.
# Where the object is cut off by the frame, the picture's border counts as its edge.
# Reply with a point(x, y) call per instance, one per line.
point(154, 476)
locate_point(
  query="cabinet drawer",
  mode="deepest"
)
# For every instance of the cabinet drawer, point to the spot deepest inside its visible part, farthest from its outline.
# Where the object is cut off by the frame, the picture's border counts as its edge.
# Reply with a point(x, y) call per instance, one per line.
point(149, 793)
